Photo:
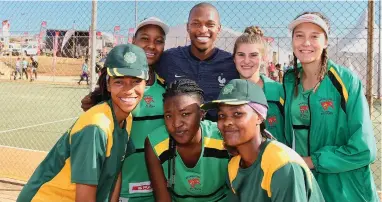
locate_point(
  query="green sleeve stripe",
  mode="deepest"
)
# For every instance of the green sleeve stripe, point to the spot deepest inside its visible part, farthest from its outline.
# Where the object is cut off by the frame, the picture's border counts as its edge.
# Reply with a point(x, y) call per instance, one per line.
point(289, 184)
point(87, 154)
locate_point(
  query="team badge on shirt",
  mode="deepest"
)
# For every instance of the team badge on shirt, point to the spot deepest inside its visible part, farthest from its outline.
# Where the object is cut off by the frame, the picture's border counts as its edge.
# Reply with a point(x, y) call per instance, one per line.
point(194, 182)
point(149, 100)
point(327, 105)
point(221, 80)
point(272, 120)
point(304, 111)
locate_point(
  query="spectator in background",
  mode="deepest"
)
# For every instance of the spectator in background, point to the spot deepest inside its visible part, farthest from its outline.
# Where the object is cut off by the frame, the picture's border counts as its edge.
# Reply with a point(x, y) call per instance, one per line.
point(280, 73)
point(202, 62)
point(34, 66)
point(24, 68)
point(85, 72)
point(285, 67)
point(18, 69)
point(327, 120)
point(272, 71)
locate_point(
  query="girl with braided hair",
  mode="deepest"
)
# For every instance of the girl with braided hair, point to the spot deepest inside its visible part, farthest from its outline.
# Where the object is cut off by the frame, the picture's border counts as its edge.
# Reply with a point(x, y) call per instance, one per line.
point(186, 159)
point(249, 53)
point(327, 121)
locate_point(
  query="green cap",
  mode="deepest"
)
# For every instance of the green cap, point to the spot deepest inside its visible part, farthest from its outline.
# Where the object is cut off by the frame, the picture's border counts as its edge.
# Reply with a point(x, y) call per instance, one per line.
point(238, 92)
point(127, 60)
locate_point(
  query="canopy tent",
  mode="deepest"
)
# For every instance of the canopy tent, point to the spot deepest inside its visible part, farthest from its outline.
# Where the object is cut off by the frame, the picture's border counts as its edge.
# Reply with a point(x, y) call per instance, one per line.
point(351, 51)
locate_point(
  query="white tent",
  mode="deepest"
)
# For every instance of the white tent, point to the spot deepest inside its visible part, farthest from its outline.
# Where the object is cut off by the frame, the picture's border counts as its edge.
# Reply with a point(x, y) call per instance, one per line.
point(351, 51)
point(178, 36)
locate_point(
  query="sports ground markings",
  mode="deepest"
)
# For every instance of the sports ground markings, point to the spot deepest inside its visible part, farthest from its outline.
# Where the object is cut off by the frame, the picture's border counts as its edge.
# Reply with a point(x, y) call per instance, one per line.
point(36, 125)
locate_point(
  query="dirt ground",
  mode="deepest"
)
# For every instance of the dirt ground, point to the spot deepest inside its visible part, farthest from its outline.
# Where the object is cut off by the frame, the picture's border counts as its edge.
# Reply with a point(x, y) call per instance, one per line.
point(63, 66)
point(9, 190)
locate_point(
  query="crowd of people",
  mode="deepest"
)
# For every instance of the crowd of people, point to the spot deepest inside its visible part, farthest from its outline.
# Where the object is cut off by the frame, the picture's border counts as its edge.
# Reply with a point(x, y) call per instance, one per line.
point(197, 123)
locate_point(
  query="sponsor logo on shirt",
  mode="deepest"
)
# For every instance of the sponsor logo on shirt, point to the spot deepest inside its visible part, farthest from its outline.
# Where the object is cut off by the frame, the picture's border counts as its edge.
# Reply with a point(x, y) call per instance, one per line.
point(149, 100)
point(272, 120)
point(327, 105)
point(194, 182)
point(221, 80)
point(140, 187)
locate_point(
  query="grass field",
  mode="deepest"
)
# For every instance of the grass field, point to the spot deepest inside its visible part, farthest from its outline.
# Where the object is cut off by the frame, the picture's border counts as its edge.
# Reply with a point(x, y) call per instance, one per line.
point(35, 115)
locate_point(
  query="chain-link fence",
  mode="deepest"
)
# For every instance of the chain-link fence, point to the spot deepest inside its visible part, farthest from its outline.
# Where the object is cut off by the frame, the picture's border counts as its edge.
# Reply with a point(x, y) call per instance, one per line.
point(36, 113)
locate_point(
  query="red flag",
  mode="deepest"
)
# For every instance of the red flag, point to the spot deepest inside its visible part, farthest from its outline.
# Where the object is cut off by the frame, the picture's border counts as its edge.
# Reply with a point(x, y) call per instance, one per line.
point(6, 24)
point(40, 36)
point(131, 30)
point(55, 44)
point(116, 35)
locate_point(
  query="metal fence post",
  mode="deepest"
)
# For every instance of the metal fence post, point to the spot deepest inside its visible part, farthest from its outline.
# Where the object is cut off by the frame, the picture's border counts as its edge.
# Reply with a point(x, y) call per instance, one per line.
point(93, 46)
point(370, 54)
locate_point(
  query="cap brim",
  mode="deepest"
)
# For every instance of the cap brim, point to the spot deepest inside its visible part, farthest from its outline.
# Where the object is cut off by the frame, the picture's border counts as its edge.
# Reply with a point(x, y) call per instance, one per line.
point(128, 72)
point(297, 22)
point(215, 103)
point(162, 25)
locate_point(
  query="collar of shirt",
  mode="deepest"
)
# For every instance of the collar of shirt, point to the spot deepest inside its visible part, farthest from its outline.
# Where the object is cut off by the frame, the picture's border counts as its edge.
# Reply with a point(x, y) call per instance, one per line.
point(215, 52)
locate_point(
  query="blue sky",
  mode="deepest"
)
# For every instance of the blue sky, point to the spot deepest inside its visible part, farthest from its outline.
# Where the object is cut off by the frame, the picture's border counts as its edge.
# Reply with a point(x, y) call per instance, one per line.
point(272, 16)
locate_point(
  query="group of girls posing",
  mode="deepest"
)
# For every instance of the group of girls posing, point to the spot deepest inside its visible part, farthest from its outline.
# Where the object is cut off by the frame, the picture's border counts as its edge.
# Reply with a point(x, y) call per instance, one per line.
point(308, 139)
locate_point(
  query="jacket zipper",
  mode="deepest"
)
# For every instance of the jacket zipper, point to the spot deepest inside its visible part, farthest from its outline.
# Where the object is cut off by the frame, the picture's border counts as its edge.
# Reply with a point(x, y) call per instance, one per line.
point(310, 124)
point(285, 99)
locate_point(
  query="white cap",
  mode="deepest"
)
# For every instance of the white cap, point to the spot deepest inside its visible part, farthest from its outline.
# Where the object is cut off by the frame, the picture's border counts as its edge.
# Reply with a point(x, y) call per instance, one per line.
point(315, 19)
point(153, 21)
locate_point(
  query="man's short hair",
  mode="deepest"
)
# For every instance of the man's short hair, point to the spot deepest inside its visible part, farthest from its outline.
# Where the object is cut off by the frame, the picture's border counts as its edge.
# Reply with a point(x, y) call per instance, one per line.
point(203, 5)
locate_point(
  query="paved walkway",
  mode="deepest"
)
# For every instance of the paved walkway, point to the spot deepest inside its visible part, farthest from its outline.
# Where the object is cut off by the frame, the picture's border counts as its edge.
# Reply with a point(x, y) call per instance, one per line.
point(9, 191)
